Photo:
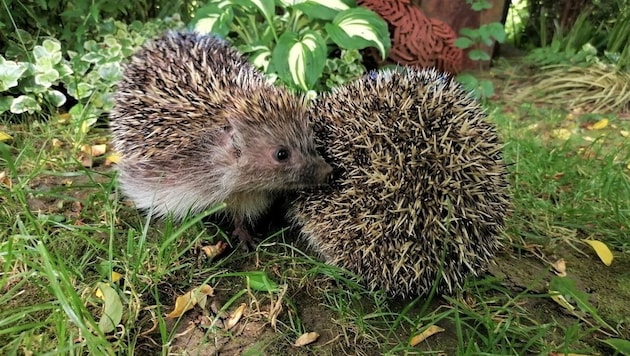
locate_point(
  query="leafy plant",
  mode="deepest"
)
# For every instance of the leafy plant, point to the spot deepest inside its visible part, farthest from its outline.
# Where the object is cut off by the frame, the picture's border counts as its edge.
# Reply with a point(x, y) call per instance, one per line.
point(35, 83)
point(473, 39)
point(294, 40)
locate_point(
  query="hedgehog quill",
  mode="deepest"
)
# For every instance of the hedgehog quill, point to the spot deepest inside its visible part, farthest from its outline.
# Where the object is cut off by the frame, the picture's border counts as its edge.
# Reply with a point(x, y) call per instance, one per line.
point(420, 192)
point(197, 125)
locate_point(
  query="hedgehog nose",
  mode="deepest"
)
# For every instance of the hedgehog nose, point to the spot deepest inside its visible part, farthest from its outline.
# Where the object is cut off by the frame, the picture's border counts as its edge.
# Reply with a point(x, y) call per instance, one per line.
point(323, 172)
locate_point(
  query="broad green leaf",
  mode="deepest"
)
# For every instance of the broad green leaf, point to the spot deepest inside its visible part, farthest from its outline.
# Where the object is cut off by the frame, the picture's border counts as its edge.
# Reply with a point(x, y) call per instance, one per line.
point(259, 281)
point(567, 288)
point(300, 59)
point(52, 45)
point(64, 70)
point(359, 28)
point(112, 308)
point(478, 55)
point(43, 58)
point(463, 42)
point(24, 103)
point(5, 103)
point(92, 57)
point(621, 346)
point(79, 90)
point(266, 7)
point(46, 77)
point(10, 72)
point(110, 72)
point(602, 251)
point(55, 97)
point(323, 9)
point(260, 57)
point(214, 18)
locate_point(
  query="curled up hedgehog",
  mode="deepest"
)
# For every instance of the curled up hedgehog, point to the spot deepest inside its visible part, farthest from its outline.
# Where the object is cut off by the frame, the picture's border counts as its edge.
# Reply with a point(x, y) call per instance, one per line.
point(419, 194)
point(197, 125)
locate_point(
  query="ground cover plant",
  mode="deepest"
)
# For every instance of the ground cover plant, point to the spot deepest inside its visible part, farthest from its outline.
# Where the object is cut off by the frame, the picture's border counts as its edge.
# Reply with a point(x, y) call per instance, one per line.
point(85, 273)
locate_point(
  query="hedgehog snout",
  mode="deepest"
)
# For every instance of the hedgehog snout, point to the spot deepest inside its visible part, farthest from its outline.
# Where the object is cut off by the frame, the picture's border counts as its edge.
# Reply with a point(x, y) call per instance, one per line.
point(321, 172)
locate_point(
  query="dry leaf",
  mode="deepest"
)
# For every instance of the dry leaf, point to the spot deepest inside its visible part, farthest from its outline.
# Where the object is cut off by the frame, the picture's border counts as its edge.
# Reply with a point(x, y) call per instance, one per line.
point(63, 118)
point(625, 133)
point(559, 298)
point(5, 136)
point(599, 124)
point(433, 329)
point(98, 150)
point(306, 338)
point(562, 134)
point(57, 143)
point(5, 180)
point(212, 251)
point(188, 301)
point(113, 157)
point(86, 160)
point(560, 267)
point(235, 317)
point(602, 251)
point(557, 176)
point(116, 277)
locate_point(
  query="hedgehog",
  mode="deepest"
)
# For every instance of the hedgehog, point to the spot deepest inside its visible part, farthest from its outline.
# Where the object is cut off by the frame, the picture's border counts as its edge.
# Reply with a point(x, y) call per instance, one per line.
point(197, 125)
point(419, 193)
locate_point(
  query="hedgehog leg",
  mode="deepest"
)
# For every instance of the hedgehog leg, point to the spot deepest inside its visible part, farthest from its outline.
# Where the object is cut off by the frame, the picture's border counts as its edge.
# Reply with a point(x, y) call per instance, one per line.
point(241, 232)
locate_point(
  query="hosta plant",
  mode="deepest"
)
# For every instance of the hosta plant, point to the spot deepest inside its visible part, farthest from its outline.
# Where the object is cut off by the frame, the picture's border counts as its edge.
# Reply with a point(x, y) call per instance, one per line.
point(294, 40)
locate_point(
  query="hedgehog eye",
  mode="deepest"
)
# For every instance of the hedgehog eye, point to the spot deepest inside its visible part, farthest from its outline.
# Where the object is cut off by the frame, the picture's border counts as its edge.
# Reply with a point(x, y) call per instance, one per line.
point(282, 154)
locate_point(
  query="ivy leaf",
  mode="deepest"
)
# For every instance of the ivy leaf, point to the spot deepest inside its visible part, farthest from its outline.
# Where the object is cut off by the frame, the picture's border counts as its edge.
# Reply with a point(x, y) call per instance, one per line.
point(55, 97)
point(51, 45)
point(24, 103)
point(110, 72)
point(323, 9)
point(10, 72)
point(359, 28)
point(46, 77)
point(300, 59)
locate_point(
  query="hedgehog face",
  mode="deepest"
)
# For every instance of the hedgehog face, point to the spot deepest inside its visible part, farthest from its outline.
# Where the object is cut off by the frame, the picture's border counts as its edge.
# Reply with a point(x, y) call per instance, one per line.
point(274, 144)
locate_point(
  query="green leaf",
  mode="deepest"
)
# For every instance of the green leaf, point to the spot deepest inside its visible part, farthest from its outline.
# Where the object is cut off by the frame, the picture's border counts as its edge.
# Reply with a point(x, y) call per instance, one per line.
point(110, 72)
point(359, 28)
point(44, 58)
point(55, 97)
point(24, 103)
point(10, 72)
point(621, 346)
point(80, 90)
point(260, 56)
point(92, 57)
point(5, 103)
point(52, 45)
point(566, 287)
point(469, 32)
point(266, 7)
point(496, 31)
point(463, 42)
point(486, 88)
point(300, 59)
point(46, 77)
point(259, 281)
point(112, 308)
point(323, 9)
point(214, 18)
point(478, 55)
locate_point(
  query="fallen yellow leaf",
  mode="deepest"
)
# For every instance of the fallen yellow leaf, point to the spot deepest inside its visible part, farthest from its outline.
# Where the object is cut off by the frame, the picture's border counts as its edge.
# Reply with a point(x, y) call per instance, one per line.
point(5, 136)
point(185, 302)
point(98, 150)
point(5, 180)
point(113, 157)
point(625, 133)
point(306, 338)
point(116, 277)
point(600, 124)
point(56, 143)
point(562, 134)
point(235, 317)
point(560, 299)
point(602, 251)
point(433, 329)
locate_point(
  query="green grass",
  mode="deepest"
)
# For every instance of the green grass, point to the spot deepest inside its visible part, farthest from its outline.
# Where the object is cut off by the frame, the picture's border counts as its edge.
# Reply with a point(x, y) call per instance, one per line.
point(64, 229)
